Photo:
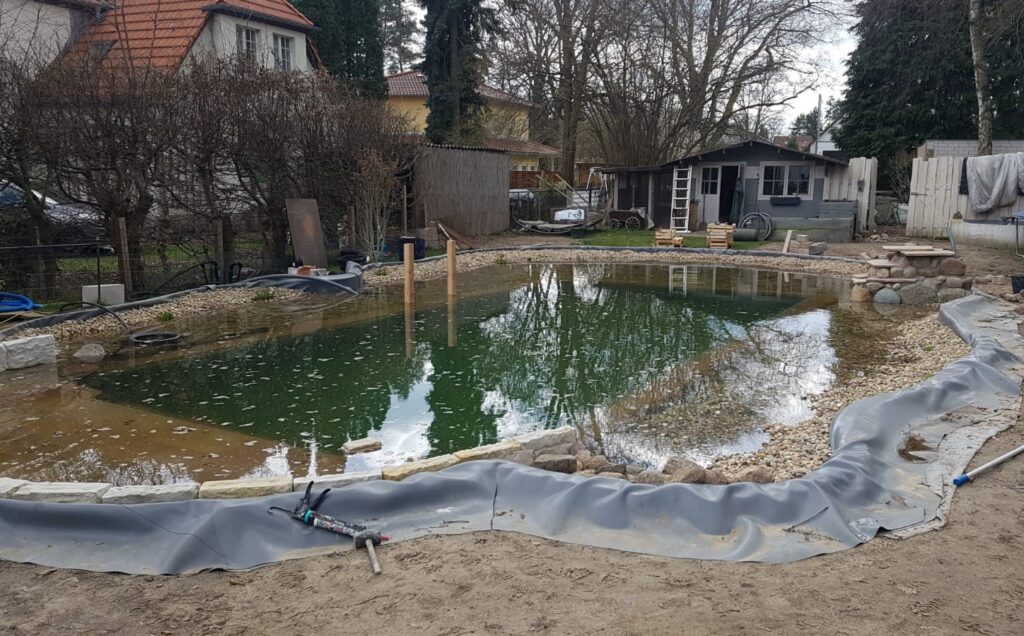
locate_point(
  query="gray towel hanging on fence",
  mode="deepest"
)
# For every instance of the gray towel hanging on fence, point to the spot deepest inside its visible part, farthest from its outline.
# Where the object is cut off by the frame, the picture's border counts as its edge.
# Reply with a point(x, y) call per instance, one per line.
point(994, 181)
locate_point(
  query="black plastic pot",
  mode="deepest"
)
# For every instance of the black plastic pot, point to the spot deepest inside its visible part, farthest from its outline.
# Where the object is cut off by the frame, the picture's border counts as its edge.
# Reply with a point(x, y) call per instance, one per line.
point(1017, 282)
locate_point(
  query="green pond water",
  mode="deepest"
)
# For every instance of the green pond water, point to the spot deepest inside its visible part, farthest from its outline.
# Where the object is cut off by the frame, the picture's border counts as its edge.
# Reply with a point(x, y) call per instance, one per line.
point(647, 361)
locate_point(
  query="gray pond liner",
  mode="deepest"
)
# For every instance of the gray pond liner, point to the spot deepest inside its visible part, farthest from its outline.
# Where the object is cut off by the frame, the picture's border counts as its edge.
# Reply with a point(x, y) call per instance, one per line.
point(865, 487)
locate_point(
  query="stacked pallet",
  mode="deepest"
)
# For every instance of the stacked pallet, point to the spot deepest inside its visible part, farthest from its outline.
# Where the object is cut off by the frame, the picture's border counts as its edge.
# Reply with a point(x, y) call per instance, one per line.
point(720, 235)
point(667, 238)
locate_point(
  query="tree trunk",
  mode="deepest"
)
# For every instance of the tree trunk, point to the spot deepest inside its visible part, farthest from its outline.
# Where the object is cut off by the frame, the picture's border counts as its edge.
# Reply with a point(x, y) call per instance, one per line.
point(454, 78)
point(275, 240)
point(981, 78)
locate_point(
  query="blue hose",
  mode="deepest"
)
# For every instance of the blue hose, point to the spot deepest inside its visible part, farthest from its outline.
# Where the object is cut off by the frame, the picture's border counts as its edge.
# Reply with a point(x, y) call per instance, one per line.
point(16, 302)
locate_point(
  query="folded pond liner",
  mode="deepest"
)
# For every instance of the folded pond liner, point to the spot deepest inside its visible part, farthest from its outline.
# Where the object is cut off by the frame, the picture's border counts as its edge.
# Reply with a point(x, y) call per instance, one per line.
point(865, 487)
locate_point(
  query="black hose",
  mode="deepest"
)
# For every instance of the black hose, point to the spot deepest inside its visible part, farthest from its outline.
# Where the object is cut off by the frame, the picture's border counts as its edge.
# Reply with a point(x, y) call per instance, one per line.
point(97, 306)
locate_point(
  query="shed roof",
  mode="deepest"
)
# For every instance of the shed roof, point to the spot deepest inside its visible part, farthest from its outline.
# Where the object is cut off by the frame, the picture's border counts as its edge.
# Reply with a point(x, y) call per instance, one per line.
point(414, 84)
point(704, 154)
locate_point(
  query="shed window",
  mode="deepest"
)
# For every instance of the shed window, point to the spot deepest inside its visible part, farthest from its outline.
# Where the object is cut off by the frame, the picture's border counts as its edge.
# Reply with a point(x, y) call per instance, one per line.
point(283, 52)
point(799, 181)
point(247, 41)
point(773, 181)
point(709, 180)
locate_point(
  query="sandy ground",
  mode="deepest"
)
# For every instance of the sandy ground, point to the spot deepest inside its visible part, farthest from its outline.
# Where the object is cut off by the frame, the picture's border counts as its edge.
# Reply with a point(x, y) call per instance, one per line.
point(962, 579)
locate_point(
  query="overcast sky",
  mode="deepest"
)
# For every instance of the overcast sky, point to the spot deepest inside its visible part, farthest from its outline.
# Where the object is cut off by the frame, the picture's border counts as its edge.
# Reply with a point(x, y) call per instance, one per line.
point(834, 56)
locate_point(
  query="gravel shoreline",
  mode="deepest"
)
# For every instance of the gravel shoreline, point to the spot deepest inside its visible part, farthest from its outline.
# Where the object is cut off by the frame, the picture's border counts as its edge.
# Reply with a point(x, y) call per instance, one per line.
point(187, 306)
point(920, 350)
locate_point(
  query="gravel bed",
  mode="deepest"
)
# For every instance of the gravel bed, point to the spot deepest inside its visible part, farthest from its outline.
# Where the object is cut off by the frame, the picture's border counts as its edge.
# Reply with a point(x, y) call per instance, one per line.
point(469, 261)
point(189, 305)
point(920, 350)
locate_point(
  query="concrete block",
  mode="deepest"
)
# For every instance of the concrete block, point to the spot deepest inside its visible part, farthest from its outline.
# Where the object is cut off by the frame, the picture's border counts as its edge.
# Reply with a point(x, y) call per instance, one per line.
point(61, 492)
point(400, 472)
point(335, 481)
point(8, 486)
point(150, 494)
point(501, 450)
point(539, 440)
point(365, 445)
point(112, 294)
point(28, 352)
point(243, 488)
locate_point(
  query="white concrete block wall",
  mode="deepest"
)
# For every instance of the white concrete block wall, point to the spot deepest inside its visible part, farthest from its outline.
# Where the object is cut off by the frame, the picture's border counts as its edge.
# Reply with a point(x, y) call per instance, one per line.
point(969, 147)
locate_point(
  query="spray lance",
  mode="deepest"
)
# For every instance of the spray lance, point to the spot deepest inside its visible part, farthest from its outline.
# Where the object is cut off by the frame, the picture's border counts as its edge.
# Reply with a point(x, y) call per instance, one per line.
point(363, 537)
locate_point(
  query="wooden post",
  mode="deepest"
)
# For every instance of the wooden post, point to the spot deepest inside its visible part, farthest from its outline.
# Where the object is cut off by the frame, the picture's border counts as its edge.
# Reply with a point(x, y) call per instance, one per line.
point(452, 267)
point(408, 254)
point(453, 322)
point(410, 338)
point(789, 237)
point(126, 266)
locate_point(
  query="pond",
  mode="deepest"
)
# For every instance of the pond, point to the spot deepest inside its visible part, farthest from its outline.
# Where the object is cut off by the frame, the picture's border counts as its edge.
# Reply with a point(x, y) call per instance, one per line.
point(647, 361)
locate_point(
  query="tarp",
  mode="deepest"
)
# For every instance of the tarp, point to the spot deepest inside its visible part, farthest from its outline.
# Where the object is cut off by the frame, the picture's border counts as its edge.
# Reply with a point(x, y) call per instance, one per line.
point(870, 483)
point(994, 181)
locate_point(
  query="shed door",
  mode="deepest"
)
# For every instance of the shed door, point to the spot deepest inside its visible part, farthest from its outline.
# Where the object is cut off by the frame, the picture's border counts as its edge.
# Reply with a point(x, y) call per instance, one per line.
point(662, 212)
point(709, 193)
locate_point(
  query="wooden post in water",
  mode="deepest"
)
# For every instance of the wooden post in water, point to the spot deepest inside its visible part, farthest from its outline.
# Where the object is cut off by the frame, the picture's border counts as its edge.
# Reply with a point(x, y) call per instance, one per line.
point(452, 268)
point(410, 334)
point(408, 255)
point(453, 322)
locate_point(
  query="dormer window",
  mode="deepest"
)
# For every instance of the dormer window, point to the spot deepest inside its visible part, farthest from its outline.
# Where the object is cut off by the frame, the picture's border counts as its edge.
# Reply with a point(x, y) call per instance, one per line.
point(248, 42)
point(283, 47)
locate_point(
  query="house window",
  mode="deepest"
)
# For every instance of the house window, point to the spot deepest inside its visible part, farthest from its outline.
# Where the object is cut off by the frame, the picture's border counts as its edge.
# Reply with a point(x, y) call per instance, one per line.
point(248, 41)
point(709, 180)
point(792, 180)
point(283, 52)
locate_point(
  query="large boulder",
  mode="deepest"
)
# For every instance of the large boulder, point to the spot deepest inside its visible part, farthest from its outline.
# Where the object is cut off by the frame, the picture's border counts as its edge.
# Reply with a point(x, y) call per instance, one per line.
point(951, 267)
point(918, 294)
point(887, 296)
point(946, 295)
point(91, 353)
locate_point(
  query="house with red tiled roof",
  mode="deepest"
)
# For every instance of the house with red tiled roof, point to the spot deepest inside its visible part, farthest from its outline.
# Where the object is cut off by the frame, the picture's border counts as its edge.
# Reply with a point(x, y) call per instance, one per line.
point(166, 34)
point(508, 118)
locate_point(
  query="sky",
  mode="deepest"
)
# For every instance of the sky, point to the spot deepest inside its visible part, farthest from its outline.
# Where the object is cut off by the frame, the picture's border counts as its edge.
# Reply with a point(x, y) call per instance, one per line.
point(833, 56)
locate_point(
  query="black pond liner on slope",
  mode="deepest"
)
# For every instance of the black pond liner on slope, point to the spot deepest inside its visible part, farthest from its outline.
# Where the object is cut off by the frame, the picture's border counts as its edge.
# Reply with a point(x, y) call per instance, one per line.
point(863, 488)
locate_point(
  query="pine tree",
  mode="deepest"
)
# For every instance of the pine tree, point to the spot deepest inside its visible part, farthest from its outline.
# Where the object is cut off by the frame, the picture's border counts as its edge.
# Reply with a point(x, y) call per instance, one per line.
point(454, 68)
point(349, 41)
point(398, 30)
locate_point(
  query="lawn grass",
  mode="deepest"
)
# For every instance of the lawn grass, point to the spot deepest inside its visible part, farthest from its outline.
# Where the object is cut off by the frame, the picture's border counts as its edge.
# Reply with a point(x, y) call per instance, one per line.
point(645, 238)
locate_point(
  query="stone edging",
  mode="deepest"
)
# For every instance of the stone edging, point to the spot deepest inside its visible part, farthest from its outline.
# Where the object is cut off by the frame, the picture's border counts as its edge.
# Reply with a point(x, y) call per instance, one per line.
point(523, 449)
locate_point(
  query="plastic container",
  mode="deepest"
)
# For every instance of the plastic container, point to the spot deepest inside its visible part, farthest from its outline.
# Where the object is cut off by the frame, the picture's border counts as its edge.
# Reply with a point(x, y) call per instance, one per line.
point(1017, 282)
point(419, 249)
point(350, 256)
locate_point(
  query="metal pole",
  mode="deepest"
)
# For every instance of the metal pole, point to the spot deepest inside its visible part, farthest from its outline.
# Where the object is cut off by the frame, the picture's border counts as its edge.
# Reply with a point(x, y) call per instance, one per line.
point(970, 475)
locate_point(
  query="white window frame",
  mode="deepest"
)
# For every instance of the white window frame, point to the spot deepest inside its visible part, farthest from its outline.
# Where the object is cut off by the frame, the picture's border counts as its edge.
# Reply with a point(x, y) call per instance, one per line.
point(785, 179)
point(242, 42)
point(717, 180)
point(288, 63)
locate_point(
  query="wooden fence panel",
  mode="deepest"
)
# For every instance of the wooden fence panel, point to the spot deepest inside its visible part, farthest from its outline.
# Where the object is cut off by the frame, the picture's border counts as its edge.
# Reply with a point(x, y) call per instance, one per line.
point(935, 198)
point(856, 182)
point(466, 189)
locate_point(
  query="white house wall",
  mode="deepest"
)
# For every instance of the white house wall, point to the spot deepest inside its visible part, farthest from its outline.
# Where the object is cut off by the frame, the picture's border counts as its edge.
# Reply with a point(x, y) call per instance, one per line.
point(35, 31)
point(219, 39)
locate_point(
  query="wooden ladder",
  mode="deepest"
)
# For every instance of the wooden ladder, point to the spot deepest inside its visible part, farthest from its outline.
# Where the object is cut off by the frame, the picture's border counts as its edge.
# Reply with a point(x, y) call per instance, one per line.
point(681, 200)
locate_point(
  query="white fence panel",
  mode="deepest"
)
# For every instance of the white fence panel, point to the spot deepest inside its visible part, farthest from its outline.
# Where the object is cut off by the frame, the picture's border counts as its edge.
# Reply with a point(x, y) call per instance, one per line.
point(855, 182)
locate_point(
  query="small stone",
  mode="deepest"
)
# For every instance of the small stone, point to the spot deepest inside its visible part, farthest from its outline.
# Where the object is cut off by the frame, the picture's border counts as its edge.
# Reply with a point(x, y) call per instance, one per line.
point(365, 445)
point(716, 477)
point(873, 287)
point(431, 464)
point(952, 267)
point(860, 294)
point(559, 449)
point(681, 469)
point(150, 494)
point(612, 475)
point(585, 473)
point(61, 492)
point(544, 439)
point(651, 477)
point(556, 463)
point(983, 280)
point(244, 488)
point(91, 353)
point(755, 474)
point(953, 282)
point(946, 295)
point(501, 450)
point(887, 296)
point(895, 272)
point(339, 480)
point(1019, 309)
point(595, 461)
point(910, 272)
point(882, 273)
point(524, 457)
point(897, 286)
point(634, 469)
point(578, 447)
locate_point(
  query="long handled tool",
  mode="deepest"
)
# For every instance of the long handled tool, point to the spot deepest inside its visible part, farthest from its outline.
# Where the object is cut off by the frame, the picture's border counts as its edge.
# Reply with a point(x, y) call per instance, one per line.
point(306, 512)
point(970, 475)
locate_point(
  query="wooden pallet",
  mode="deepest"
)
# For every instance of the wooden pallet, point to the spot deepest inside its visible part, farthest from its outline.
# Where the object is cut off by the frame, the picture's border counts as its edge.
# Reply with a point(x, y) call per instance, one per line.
point(667, 238)
point(720, 235)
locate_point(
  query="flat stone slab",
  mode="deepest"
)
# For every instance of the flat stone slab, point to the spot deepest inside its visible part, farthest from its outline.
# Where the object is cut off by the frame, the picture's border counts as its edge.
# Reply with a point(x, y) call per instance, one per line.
point(29, 352)
point(501, 450)
point(338, 480)
point(365, 445)
point(150, 494)
point(61, 492)
point(400, 472)
point(243, 488)
point(8, 486)
point(539, 440)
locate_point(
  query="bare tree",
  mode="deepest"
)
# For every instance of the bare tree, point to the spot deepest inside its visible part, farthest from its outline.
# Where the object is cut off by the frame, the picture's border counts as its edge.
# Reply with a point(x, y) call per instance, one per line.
point(376, 192)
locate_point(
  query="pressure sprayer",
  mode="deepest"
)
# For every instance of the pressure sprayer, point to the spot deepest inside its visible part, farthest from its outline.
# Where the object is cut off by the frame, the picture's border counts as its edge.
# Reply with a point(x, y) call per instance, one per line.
point(363, 537)
point(970, 475)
